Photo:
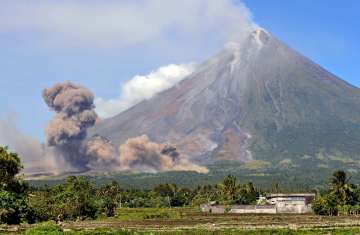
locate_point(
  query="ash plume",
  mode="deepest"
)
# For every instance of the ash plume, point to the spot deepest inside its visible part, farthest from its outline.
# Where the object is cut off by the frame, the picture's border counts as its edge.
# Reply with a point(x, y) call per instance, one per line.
point(142, 155)
point(74, 107)
point(101, 153)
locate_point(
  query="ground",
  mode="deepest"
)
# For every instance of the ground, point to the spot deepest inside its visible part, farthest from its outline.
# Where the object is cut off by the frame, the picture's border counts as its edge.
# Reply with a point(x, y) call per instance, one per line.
point(191, 221)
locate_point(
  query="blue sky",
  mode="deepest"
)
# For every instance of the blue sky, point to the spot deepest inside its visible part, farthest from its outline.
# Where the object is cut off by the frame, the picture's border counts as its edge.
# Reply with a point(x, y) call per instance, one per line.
point(38, 52)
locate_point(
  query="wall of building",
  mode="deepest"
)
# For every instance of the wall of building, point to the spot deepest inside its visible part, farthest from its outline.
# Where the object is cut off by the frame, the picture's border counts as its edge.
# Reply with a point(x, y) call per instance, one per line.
point(279, 203)
point(253, 210)
point(292, 207)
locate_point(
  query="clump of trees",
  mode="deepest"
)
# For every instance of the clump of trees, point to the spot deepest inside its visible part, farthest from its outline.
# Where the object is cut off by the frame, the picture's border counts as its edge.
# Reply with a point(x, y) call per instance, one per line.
point(13, 190)
point(78, 198)
point(342, 197)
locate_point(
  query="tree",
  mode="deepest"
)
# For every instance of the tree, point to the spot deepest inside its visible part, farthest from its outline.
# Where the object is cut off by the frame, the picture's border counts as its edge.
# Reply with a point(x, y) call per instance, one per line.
point(75, 199)
point(341, 187)
point(174, 195)
point(110, 197)
point(325, 205)
point(229, 187)
point(13, 203)
point(247, 194)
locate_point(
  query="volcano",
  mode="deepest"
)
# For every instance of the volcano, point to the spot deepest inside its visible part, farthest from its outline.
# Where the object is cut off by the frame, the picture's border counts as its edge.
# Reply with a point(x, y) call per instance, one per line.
point(257, 101)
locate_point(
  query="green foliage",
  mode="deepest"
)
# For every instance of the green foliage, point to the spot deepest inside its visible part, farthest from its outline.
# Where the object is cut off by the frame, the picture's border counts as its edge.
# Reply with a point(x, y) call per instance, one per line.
point(109, 198)
point(325, 205)
point(13, 207)
point(10, 165)
point(247, 194)
point(341, 198)
point(341, 188)
point(173, 195)
point(75, 199)
point(228, 188)
point(48, 228)
point(13, 196)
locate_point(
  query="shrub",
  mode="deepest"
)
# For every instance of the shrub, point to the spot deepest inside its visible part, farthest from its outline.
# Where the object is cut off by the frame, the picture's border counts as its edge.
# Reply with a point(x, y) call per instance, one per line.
point(48, 228)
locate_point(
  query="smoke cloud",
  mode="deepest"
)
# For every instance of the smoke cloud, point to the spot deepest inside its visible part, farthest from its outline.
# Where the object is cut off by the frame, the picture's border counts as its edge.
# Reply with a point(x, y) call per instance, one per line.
point(102, 153)
point(74, 107)
point(142, 155)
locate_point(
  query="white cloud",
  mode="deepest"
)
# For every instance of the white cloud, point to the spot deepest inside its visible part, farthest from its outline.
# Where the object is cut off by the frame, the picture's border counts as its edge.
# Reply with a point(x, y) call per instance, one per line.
point(124, 22)
point(143, 87)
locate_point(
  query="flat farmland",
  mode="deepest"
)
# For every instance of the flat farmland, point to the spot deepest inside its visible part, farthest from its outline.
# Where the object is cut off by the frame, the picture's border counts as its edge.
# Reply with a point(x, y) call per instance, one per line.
point(192, 221)
point(174, 219)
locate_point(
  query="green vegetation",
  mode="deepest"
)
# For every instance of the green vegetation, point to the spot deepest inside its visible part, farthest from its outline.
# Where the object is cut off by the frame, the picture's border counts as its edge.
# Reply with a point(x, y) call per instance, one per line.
point(48, 228)
point(51, 230)
point(343, 197)
point(13, 204)
point(78, 199)
point(256, 165)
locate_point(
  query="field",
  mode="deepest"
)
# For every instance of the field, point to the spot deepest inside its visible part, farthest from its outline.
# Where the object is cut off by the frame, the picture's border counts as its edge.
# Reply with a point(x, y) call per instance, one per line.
point(191, 221)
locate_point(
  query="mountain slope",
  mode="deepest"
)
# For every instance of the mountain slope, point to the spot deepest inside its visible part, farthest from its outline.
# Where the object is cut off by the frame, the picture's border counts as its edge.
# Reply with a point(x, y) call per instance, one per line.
point(256, 100)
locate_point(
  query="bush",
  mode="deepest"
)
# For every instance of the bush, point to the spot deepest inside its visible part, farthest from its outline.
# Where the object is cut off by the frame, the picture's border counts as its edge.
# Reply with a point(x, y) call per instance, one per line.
point(73, 200)
point(13, 203)
point(48, 228)
point(325, 205)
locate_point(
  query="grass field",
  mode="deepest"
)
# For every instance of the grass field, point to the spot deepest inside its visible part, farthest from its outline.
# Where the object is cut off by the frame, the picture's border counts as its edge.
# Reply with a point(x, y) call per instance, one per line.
point(191, 221)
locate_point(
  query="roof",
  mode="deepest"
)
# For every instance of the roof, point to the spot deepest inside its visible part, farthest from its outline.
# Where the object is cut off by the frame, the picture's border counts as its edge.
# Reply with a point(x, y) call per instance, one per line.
point(291, 195)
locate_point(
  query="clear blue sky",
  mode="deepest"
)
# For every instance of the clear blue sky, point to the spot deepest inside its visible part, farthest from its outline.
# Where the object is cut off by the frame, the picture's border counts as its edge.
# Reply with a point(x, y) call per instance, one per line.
point(34, 57)
point(326, 31)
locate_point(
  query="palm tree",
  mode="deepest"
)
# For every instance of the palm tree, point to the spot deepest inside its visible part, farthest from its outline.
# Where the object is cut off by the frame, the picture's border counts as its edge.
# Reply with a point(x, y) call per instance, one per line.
point(229, 187)
point(341, 187)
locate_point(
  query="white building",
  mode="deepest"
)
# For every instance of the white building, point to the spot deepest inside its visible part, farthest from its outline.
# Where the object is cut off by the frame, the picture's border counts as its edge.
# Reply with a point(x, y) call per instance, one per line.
point(297, 203)
point(292, 203)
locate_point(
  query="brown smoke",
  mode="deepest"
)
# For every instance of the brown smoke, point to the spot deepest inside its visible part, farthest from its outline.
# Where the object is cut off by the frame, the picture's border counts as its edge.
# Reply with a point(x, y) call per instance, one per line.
point(75, 113)
point(140, 154)
point(102, 153)
point(74, 106)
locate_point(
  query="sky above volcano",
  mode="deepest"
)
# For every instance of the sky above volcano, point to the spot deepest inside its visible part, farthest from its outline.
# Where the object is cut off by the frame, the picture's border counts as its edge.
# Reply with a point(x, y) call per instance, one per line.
point(119, 48)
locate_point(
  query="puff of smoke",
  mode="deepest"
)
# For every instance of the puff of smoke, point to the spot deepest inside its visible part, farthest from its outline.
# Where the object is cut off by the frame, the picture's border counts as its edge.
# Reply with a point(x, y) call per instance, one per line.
point(142, 155)
point(74, 106)
point(68, 98)
point(102, 153)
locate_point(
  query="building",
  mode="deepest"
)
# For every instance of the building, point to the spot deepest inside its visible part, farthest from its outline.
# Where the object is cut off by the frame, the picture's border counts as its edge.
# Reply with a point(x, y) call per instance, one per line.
point(298, 203)
point(292, 203)
point(253, 209)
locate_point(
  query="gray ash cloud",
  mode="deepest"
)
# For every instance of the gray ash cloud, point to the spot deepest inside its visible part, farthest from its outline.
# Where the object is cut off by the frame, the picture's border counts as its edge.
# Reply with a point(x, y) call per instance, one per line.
point(67, 131)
